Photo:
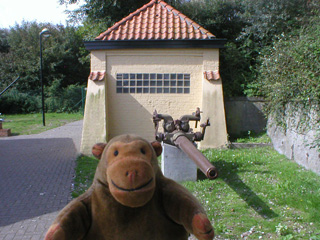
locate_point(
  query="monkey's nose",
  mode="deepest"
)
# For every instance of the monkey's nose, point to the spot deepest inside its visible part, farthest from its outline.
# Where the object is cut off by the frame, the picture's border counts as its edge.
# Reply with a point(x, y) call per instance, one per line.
point(132, 175)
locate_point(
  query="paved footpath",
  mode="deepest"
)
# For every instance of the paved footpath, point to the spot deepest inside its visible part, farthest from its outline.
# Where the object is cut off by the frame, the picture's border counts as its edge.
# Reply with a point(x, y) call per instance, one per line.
point(36, 174)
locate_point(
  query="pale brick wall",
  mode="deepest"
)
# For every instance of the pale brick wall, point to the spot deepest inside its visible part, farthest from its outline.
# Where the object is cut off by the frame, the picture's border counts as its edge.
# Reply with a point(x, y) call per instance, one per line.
point(132, 113)
point(213, 104)
point(140, 107)
point(94, 122)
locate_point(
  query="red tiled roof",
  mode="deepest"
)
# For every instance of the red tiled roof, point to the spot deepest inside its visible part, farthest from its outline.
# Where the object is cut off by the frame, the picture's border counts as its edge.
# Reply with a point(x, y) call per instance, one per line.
point(156, 20)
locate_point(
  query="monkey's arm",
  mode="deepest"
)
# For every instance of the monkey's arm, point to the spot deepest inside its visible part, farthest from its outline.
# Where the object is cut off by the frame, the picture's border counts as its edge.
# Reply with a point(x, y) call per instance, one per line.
point(73, 222)
point(183, 208)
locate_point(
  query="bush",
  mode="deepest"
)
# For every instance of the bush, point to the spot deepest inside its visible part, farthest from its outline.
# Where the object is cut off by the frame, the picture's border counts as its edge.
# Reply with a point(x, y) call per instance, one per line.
point(289, 78)
point(64, 100)
point(16, 102)
point(290, 70)
point(56, 100)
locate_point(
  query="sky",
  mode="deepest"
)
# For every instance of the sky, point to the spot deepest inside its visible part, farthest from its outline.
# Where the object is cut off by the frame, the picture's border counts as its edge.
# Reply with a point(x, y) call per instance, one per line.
point(15, 11)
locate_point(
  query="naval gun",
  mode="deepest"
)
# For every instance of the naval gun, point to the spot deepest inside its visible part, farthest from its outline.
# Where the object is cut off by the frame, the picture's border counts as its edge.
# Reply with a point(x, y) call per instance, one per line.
point(178, 133)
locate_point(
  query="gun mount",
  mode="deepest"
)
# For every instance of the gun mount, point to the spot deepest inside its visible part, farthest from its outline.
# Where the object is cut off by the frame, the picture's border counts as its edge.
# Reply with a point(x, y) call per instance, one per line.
point(178, 133)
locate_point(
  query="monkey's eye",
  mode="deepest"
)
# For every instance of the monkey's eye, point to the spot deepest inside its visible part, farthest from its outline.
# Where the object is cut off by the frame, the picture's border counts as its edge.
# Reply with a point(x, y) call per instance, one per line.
point(116, 153)
point(142, 151)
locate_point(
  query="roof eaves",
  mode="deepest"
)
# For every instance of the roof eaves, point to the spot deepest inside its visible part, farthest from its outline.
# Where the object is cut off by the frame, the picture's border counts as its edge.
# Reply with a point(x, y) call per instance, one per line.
point(155, 44)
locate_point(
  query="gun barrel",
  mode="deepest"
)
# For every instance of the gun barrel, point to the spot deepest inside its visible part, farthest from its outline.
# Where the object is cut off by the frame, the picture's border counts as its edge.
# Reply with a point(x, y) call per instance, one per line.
point(199, 159)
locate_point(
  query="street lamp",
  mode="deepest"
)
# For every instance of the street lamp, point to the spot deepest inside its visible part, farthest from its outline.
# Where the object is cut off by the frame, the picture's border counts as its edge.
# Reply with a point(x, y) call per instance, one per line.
point(45, 32)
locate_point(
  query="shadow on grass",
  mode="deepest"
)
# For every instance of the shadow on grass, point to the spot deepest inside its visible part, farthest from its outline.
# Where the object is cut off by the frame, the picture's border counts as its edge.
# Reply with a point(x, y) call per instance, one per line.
point(228, 172)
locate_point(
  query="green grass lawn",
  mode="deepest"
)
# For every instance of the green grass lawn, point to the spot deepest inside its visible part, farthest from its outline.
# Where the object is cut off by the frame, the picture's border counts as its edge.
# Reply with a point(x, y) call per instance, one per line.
point(259, 194)
point(251, 137)
point(25, 124)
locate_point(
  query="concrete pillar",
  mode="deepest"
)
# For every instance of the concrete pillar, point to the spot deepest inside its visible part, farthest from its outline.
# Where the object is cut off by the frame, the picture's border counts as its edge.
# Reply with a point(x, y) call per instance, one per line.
point(175, 164)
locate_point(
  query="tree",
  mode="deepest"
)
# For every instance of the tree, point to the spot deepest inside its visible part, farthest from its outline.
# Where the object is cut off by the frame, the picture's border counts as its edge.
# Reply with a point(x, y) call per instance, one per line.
point(225, 19)
point(4, 45)
point(98, 15)
point(65, 60)
point(289, 79)
point(63, 54)
point(6, 60)
point(269, 18)
point(290, 69)
point(222, 18)
point(263, 22)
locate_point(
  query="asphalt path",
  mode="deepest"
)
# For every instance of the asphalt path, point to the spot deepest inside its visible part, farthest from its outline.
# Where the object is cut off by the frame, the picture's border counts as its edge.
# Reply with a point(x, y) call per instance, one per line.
point(36, 176)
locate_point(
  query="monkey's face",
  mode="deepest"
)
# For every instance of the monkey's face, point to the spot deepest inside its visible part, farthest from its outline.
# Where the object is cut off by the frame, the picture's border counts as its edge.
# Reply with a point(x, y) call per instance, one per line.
point(130, 174)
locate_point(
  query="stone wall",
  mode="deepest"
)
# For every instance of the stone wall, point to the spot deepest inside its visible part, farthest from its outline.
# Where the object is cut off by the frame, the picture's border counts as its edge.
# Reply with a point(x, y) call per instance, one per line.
point(244, 114)
point(296, 141)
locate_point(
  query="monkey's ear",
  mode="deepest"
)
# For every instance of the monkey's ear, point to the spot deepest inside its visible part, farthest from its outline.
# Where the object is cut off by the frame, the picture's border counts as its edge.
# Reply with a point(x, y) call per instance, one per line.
point(97, 149)
point(157, 147)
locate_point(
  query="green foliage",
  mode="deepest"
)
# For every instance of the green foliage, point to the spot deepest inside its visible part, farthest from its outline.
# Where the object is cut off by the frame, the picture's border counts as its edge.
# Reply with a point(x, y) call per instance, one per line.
point(235, 70)
point(290, 70)
point(4, 45)
point(24, 49)
point(267, 19)
point(222, 18)
point(64, 57)
point(264, 21)
point(57, 99)
point(17, 102)
point(66, 62)
point(63, 100)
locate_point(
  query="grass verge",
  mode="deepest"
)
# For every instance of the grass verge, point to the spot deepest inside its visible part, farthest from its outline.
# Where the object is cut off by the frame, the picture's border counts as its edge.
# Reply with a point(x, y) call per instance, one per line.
point(252, 137)
point(25, 124)
point(84, 173)
point(259, 194)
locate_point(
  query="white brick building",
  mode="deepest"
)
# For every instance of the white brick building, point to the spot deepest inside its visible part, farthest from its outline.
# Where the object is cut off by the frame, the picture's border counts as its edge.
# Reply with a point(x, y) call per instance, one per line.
point(155, 58)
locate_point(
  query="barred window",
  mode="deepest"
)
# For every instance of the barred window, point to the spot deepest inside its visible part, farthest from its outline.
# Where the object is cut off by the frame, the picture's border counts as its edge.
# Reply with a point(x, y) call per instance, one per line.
point(154, 83)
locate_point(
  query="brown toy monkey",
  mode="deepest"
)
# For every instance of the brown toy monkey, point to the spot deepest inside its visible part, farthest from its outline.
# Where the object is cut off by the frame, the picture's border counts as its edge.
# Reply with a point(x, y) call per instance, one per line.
point(130, 199)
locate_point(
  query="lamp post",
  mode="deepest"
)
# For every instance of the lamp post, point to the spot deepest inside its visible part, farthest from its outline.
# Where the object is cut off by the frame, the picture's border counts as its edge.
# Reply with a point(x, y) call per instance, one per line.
point(45, 32)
